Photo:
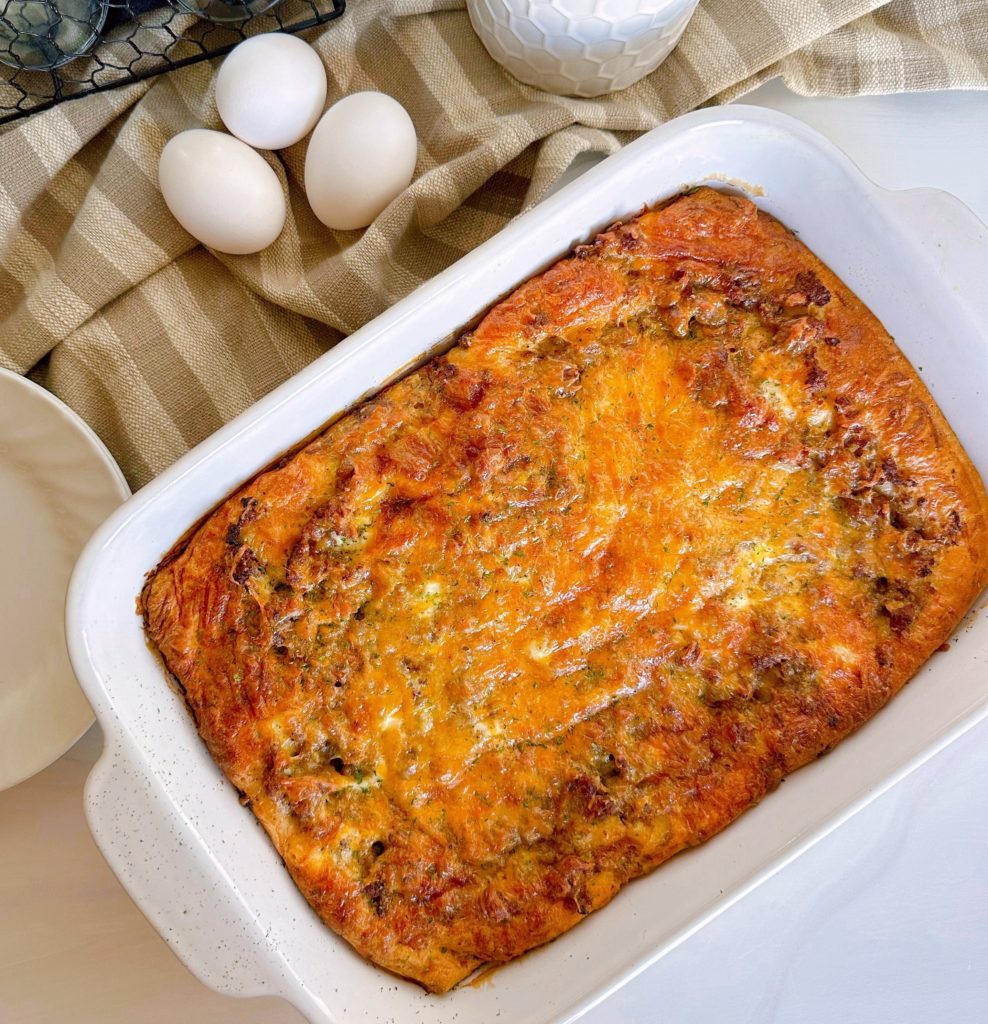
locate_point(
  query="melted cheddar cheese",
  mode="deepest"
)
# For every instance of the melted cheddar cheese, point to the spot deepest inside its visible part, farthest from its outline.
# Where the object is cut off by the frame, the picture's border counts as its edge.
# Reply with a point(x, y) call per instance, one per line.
point(672, 521)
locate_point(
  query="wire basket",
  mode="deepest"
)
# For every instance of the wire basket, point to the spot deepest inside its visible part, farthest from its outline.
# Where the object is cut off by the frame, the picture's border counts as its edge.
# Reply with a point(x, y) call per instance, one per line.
point(86, 46)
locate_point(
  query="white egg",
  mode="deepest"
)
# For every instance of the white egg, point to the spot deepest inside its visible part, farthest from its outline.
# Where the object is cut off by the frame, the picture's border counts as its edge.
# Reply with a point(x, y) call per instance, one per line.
point(271, 90)
point(221, 191)
point(361, 155)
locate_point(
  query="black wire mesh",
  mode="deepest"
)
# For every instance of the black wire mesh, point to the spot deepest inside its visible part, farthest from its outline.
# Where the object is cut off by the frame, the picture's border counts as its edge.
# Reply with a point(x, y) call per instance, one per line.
point(62, 49)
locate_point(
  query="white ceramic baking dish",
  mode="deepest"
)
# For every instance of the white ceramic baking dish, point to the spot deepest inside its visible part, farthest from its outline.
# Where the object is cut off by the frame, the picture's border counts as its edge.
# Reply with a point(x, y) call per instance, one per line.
point(172, 828)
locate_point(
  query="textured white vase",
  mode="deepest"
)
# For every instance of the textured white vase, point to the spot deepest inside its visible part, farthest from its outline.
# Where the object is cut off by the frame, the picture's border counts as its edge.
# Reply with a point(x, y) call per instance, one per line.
point(580, 47)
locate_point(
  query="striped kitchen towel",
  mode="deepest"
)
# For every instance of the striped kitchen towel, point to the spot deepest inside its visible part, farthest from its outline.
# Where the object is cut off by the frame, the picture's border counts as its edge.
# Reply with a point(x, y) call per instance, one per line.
point(157, 341)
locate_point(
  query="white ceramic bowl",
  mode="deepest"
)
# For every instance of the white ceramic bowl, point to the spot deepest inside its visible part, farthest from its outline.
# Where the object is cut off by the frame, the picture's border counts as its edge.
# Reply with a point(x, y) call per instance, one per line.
point(580, 47)
point(57, 484)
point(172, 828)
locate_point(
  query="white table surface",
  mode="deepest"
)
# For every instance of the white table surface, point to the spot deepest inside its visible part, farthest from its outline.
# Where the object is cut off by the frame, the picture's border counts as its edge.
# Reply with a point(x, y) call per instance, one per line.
point(886, 920)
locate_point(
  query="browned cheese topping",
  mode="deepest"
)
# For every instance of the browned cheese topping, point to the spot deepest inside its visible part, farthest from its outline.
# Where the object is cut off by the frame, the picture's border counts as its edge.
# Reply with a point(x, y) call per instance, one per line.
point(670, 523)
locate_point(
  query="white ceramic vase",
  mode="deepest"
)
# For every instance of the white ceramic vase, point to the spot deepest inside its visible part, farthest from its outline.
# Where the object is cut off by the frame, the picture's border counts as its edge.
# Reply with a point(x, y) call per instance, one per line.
point(580, 47)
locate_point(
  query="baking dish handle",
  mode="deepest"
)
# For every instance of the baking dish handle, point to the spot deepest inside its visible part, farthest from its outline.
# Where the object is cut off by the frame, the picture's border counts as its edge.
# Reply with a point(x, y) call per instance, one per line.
point(952, 237)
point(173, 881)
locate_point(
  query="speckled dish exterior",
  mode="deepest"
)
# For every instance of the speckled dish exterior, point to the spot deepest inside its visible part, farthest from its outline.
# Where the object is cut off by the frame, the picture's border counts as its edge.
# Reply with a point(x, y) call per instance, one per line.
point(172, 828)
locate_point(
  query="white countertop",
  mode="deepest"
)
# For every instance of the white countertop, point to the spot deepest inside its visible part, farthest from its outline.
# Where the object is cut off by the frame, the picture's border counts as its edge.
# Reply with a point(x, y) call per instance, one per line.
point(885, 920)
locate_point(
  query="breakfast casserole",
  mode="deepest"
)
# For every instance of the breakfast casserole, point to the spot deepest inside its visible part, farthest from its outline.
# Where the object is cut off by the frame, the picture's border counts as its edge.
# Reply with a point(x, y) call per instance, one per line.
point(672, 521)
